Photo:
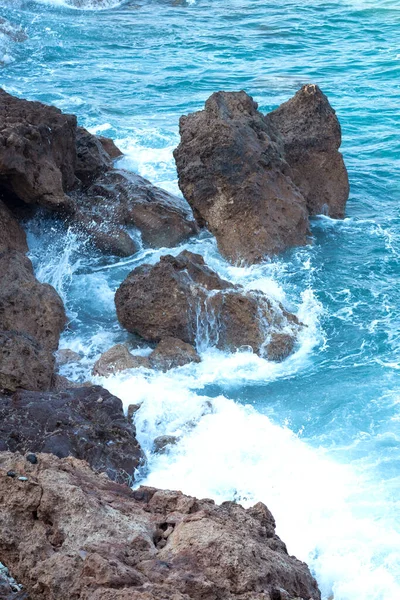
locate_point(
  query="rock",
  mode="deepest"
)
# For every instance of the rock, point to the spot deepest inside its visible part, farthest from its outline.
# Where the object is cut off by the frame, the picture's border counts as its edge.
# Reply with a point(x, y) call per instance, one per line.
point(311, 137)
point(171, 353)
point(123, 198)
point(118, 358)
point(24, 363)
point(92, 158)
point(253, 180)
point(61, 384)
point(37, 152)
point(9, 588)
point(109, 146)
point(104, 235)
point(162, 442)
point(65, 356)
point(14, 32)
point(160, 301)
point(27, 306)
point(251, 320)
point(12, 236)
point(180, 297)
point(86, 422)
point(132, 410)
point(69, 533)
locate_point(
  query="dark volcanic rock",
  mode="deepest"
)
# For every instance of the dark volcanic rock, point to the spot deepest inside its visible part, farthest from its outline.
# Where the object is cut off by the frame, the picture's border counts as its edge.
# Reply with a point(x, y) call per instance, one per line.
point(180, 297)
point(171, 353)
point(68, 533)
point(253, 180)
point(123, 198)
point(27, 306)
point(24, 363)
point(311, 137)
point(37, 152)
point(12, 236)
point(86, 422)
point(110, 147)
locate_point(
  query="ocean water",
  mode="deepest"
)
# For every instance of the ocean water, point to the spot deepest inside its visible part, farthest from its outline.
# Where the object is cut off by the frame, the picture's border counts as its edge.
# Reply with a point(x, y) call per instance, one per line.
point(317, 437)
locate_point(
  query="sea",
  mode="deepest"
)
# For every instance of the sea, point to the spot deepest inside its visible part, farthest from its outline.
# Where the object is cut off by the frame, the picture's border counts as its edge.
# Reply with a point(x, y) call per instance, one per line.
point(317, 436)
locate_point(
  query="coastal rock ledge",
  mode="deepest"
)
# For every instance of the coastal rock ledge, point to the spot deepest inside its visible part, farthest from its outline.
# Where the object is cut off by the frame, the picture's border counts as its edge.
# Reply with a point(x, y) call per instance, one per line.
point(66, 532)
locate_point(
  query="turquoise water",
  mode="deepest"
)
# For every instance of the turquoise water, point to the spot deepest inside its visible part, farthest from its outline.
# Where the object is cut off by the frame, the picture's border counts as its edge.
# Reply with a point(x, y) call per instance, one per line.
point(317, 437)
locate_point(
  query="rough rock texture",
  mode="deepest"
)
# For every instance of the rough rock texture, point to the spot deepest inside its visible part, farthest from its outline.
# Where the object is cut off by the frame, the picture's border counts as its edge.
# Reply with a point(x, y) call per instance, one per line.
point(12, 236)
point(24, 363)
point(181, 297)
point(253, 180)
point(65, 356)
point(27, 306)
point(9, 588)
point(86, 422)
point(67, 533)
point(311, 137)
point(37, 152)
point(123, 198)
point(92, 159)
point(118, 358)
point(110, 147)
point(161, 443)
point(171, 353)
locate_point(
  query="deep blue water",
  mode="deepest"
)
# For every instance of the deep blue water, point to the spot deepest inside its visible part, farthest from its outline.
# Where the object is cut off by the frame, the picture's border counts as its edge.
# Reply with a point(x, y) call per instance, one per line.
point(318, 437)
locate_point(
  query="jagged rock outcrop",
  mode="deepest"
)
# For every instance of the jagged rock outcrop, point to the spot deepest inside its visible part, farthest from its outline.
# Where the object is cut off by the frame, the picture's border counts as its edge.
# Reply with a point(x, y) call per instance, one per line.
point(181, 297)
point(68, 533)
point(253, 180)
point(311, 136)
point(47, 160)
point(87, 423)
point(28, 306)
point(37, 152)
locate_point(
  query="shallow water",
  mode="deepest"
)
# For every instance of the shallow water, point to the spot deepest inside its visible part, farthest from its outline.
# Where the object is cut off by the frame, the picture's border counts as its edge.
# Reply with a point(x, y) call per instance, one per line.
point(318, 436)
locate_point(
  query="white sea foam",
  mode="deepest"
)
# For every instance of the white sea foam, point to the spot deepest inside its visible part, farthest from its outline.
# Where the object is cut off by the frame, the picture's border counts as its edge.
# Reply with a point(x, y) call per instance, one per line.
point(83, 4)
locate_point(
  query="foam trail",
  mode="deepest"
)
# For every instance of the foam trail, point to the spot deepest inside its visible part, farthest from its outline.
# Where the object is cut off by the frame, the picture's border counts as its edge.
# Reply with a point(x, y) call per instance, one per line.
point(83, 4)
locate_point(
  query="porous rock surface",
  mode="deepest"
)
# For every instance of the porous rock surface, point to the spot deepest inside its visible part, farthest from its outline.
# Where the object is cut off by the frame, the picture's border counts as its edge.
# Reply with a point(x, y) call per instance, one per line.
point(68, 533)
point(253, 180)
point(118, 358)
point(37, 152)
point(26, 305)
point(12, 236)
point(181, 297)
point(171, 353)
point(87, 423)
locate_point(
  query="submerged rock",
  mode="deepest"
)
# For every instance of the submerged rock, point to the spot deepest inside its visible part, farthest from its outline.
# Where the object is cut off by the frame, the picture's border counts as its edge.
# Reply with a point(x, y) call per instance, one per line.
point(65, 356)
point(86, 422)
point(118, 358)
point(68, 533)
point(180, 297)
point(161, 443)
point(14, 32)
point(253, 180)
point(171, 353)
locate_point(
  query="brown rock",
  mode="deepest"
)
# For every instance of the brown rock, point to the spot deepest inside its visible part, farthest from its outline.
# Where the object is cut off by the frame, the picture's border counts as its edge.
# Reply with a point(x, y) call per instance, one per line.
point(24, 363)
point(123, 198)
point(104, 235)
point(67, 533)
point(92, 159)
point(37, 152)
point(252, 180)
point(232, 172)
point(162, 442)
point(27, 306)
point(118, 358)
point(311, 137)
point(109, 146)
point(171, 353)
point(65, 356)
point(181, 297)
point(12, 236)
point(86, 422)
